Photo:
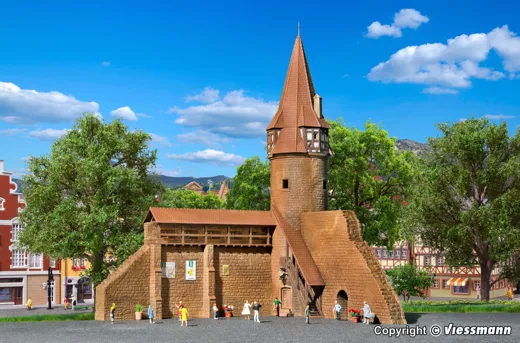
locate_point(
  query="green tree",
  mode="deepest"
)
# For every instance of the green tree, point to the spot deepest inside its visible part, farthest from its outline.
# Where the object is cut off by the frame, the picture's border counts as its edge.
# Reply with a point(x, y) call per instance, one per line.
point(408, 280)
point(250, 189)
point(370, 177)
point(181, 198)
point(468, 206)
point(90, 194)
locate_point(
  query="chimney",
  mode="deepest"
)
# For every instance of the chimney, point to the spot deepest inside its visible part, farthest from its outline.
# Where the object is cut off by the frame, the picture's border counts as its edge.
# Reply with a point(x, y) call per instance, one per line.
point(1, 166)
point(317, 105)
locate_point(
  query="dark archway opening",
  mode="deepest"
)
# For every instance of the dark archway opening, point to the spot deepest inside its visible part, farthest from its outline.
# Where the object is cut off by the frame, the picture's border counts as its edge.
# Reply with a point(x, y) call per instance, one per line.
point(342, 299)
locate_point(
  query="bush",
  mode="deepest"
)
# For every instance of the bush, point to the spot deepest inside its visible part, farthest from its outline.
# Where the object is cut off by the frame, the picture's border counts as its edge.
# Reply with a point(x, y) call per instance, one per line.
point(138, 308)
point(48, 318)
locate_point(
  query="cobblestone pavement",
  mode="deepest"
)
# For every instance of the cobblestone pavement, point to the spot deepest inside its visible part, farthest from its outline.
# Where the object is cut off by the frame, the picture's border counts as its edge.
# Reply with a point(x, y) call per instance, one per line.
point(238, 330)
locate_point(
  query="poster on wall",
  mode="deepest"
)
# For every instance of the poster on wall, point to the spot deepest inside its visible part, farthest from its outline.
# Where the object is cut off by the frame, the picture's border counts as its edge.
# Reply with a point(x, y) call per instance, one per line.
point(191, 270)
point(168, 270)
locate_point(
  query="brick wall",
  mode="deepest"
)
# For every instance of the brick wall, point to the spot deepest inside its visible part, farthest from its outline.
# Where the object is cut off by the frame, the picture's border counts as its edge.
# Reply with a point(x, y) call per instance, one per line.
point(127, 286)
point(305, 193)
point(35, 289)
point(249, 278)
point(190, 292)
point(346, 263)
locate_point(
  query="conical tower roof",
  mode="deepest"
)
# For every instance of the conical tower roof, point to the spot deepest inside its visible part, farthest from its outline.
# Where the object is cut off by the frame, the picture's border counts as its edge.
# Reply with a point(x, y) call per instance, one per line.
point(296, 108)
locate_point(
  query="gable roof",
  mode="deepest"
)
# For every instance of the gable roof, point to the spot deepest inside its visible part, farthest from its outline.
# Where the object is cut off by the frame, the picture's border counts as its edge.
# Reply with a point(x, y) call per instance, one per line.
point(300, 250)
point(193, 185)
point(217, 217)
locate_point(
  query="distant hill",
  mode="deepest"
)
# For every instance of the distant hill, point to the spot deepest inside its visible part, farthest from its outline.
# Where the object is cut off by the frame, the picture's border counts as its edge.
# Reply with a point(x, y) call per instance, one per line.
point(416, 147)
point(177, 182)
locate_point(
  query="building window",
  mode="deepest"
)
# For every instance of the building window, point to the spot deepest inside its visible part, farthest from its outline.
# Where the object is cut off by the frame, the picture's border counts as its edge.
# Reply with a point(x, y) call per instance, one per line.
point(324, 184)
point(427, 260)
point(502, 284)
point(82, 262)
point(75, 262)
point(35, 260)
point(378, 252)
point(19, 258)
point(398, 253)
point(403, 254)
point(391, 253)
point(285, 183)
point(385, 253)
point(445, 284)
point(476, 285)
point(17, 228)
point(2, 201)
point(53, 262)
point(435, 283)
point(461, 289)
point(439, 260)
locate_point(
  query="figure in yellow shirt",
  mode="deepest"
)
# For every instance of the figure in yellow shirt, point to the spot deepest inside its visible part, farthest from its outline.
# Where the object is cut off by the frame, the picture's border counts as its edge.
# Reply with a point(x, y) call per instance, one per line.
point(510, 295)
point(184, 316)
point(29, 304)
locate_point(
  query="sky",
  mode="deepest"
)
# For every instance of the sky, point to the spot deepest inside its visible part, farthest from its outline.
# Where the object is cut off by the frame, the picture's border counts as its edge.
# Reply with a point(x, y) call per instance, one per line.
point(204, 78)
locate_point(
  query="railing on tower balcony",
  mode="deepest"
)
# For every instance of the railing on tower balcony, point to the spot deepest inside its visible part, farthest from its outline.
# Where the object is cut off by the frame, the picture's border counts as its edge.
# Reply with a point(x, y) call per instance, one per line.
point(305, 293)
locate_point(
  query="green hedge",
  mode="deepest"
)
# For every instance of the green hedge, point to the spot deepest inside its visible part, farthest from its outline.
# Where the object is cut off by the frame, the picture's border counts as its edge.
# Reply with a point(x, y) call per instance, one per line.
point(462, 306)
point(49, 317)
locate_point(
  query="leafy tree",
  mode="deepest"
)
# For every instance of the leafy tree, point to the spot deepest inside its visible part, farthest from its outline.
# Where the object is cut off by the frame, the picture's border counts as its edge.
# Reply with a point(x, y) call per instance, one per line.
point(181, 198)
point(408, 280)
point(90, 194)
point(369, 176)
point(250, 189)
point(468, 207)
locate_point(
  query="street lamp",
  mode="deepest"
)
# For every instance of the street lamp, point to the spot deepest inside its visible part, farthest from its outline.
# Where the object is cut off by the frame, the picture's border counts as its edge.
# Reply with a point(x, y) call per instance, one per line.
point(49, 281)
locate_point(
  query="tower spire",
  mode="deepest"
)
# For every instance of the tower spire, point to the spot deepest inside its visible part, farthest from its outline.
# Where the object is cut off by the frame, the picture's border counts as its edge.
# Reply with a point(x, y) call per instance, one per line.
point(298, 29)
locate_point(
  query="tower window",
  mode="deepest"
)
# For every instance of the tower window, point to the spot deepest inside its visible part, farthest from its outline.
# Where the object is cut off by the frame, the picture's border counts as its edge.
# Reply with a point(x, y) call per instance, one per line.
point(324, 184)
point(285, 183)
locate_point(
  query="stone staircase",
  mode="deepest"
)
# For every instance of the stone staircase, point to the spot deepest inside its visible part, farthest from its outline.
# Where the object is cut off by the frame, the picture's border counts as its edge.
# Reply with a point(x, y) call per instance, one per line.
point(390, 297)
point(115, 286)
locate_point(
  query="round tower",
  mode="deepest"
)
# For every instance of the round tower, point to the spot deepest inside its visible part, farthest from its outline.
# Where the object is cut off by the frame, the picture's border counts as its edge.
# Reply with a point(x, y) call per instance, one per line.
point(298, 145)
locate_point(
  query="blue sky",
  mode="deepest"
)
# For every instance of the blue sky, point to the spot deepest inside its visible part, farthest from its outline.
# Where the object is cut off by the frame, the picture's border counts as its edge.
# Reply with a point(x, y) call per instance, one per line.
point(205, 77)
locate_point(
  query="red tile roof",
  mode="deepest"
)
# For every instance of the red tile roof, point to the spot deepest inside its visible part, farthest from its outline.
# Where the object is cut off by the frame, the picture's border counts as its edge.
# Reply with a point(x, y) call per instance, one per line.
point(216, 217)
point(296, 104)
point(301, 252)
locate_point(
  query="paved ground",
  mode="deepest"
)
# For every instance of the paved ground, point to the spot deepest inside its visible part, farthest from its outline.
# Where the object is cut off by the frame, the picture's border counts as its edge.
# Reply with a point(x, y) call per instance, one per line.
point(271, 330)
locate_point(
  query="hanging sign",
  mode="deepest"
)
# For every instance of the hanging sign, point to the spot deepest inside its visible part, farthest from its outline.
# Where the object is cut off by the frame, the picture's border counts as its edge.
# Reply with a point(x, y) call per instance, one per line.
point(168, 270)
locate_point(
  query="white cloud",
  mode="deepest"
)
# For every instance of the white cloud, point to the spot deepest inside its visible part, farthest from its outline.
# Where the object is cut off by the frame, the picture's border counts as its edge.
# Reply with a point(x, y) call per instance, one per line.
point(376, 30)
point(453, 64)
point(143, 115)
point(206, 138)
point(105, 63)
point(209, 156)
point(48, 134)
point(159, 169)
point(208, 95)
point(12, 132)
point(160, 140)
point(498, 116)
point(27, 106)
point(439, 90)
point(125, 113)
point(405, 18)
point(236, 115)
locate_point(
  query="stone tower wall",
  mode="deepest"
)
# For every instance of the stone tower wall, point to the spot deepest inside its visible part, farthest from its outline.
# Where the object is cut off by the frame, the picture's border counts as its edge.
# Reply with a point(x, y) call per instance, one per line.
point(306, 174)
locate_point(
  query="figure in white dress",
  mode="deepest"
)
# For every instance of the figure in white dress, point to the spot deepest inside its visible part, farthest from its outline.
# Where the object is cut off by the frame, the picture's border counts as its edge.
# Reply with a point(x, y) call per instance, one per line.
point(247, 310)
point(367, 313)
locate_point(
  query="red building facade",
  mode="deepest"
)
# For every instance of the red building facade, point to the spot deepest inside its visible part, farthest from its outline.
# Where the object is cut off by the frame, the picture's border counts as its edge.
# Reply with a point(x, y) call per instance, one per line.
point(22, 274)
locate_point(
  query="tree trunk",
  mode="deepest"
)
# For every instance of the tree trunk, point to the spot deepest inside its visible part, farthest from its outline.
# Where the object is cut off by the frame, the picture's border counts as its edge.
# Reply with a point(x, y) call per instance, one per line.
point(485, 277)
point(96, 271)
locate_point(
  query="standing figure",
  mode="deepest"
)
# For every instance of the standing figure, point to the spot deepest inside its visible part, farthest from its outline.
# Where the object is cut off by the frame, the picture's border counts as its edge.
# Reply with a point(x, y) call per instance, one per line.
point(509, 294)
point(307, 313)
point(337, 310)
point(184, 316)
point(215, 311)
point(29, 304)
point(478, 291)
point(179, 307)
point(277, 304)
point(150, 314)
point(367, 313)
point(67, 303)
point(256, 309)
point(112, 313)
point(246, 311)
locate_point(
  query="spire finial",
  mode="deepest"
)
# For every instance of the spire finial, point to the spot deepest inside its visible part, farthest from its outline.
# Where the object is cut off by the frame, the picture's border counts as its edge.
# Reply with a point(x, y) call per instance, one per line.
point(298, 28)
